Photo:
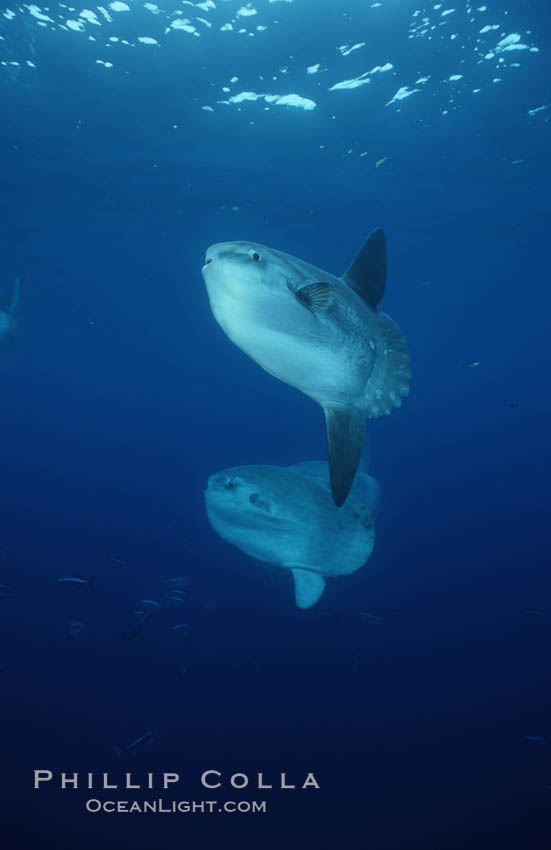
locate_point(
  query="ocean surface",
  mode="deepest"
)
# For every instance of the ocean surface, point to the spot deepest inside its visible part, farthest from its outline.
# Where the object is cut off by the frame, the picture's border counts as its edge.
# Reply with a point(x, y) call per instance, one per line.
point(133, 136)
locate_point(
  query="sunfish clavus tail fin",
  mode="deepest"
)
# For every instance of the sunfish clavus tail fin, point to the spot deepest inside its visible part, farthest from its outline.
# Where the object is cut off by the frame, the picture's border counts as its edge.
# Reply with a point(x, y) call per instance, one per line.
point(345, 435)
point(390, 380)
point(8, 298)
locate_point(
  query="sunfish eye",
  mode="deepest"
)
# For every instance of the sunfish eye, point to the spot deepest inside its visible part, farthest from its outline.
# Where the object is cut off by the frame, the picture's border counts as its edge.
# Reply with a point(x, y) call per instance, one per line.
point(229, 483)
point(254, 255)
point(253, 498)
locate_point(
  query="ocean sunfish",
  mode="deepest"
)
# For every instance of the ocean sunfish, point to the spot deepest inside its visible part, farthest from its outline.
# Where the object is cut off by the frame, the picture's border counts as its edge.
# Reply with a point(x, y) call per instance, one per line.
point(286, 516)
point(8, 301)
point(318, 333)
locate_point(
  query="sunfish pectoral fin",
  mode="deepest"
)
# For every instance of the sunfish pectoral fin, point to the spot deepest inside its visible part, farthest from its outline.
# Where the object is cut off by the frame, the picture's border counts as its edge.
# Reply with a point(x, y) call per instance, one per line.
point(367, 274)
point(316, 297)
point(8, 298)
point(345, 435)
point(308, 587)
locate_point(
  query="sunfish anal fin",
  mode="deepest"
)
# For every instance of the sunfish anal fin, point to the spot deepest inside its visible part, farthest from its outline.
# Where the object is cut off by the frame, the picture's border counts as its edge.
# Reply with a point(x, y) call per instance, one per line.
point(316, 297)
point(8, 298)
point(367, 274)
point(345, 435)
point(308, 587)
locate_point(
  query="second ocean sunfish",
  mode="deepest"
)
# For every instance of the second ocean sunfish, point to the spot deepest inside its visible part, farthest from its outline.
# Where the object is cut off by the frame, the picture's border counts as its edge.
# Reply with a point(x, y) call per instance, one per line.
point(285, 516)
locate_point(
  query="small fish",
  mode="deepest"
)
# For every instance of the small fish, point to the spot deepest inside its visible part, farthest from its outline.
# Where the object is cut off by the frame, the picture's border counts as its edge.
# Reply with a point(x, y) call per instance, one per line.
point(116, 561)
point(5, 590)
point(3, 553)
point(533, 739)
point(150, 603)
point(380, 161)
point(136, 630)
point(176, 582)
point(356, 656)
point(75, 581)
point(255, 664)
point(470, 364)
point(209, 605)
point(175, 597)
point(138, 744)
point(75, 628)
point(179, 626)
point(372, 619)
point(184, 669)
point(533, 613)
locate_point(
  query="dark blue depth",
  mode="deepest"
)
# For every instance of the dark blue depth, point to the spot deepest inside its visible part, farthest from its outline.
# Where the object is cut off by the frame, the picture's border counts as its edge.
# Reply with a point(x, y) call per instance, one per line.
point(121, 396)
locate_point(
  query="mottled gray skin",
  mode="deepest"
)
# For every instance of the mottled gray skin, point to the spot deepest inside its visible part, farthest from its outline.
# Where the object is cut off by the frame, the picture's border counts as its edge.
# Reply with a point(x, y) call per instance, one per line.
point(329, 355)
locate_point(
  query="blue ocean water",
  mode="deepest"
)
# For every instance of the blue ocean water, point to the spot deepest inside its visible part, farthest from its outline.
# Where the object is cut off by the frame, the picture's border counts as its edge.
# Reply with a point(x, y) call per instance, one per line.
point(122, 160)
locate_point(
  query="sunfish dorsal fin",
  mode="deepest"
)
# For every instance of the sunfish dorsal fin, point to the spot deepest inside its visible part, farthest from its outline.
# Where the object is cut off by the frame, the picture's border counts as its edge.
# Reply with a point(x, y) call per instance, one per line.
point(345, 435)
point(367, 274)
point(308, 587)
point(8, 298)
